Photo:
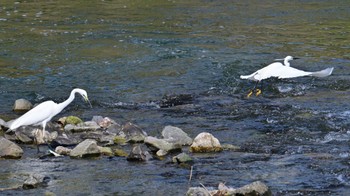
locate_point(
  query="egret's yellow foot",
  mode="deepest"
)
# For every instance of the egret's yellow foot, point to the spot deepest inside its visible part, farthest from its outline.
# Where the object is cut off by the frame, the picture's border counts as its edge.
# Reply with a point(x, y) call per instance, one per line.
point(250, 94)
point(258, 92)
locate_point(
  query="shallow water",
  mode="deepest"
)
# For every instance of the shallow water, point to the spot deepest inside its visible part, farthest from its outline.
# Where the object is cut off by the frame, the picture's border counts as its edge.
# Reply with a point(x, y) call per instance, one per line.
point(128, 55)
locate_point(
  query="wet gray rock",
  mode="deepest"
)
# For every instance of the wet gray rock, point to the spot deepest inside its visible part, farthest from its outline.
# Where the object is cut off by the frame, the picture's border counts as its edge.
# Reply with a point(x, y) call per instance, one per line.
point(82, 127)
point(22, 105)
point(33, 181)
point(66, 140)
point(132, 133)
point(205, 142)
point(63, 150)
point(138, 154)
point(106, 151)
point(87, 148)
point(103, 122)
point(176, 135)
point(9, 149)
point(20, 136)
point(182, 158)
point(254, 189)
point(161, 144)
point(114, 129)
point(197, 191)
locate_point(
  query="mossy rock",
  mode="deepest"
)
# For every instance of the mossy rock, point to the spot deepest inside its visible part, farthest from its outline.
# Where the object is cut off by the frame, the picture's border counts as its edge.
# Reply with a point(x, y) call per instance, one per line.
point(119, 140)
point(73, 120)
point(120, 153)
point(106, 151)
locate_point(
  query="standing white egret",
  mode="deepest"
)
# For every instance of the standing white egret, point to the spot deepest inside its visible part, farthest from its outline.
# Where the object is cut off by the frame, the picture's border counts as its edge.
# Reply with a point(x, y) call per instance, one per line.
point(281, 70)
point(44, 112)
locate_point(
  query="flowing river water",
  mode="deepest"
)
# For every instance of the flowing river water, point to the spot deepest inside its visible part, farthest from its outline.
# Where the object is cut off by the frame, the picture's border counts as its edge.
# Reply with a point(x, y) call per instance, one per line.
point(128, 54)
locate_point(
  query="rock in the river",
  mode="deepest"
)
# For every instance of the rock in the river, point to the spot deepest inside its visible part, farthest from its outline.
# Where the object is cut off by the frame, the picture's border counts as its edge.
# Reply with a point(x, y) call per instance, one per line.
point(197, 191)
point(182, 158)
point(82, 127)
point(33, 181)
point(176, 135)
point(63, 150)
point(103, 122)
point(162, 144)
point(106, 151)
point(120, 153)
point(205, 142)
point(74, 120)
point(137, 154)
point(87, 148)
point(174, 100)
point(23, 137)
point(22, 105)
point(66, 140)
point(114, 129)
point(254, 189)
point(9, 149)
point(132, 133)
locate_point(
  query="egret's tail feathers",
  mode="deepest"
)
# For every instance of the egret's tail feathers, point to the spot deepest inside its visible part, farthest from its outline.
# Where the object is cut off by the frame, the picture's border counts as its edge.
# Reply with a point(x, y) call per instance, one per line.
point(323, 73)
point(249, 77)
point(244, 77)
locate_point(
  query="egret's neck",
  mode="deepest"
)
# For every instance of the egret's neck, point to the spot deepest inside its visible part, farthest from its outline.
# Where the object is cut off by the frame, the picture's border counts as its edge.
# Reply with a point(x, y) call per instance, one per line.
point(64, 104)
point(286, 63)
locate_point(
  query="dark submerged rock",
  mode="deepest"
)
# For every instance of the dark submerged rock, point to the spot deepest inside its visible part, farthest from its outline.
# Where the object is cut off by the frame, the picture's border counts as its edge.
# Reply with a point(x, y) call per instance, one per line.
point(9, 149)
point(174, 100)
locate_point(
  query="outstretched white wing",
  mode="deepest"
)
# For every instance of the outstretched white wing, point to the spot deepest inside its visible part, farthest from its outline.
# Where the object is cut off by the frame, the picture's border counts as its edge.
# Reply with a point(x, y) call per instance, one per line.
point(280, 71)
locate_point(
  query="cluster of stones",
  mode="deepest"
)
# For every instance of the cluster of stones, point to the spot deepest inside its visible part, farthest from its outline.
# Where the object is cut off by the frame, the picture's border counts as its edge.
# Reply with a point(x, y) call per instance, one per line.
point(72, 137)
point(100, 135)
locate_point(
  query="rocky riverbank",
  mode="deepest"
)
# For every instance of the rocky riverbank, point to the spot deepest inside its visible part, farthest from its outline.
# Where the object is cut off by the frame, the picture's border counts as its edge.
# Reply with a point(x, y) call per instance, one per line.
point(103, 136)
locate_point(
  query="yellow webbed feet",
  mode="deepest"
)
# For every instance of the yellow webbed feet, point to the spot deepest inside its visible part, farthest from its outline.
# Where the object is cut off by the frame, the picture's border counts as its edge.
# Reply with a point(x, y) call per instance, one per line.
point(250, 94)
point(257, 92)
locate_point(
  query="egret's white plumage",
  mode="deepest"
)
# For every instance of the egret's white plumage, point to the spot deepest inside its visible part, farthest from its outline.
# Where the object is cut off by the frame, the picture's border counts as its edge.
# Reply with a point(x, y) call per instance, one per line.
point(44, 112)
point(279, 70)
point(282, 70)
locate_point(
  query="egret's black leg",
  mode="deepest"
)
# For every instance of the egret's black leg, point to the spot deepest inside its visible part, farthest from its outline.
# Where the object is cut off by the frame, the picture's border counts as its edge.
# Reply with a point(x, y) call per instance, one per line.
point(36, 143)
point(259, 91)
